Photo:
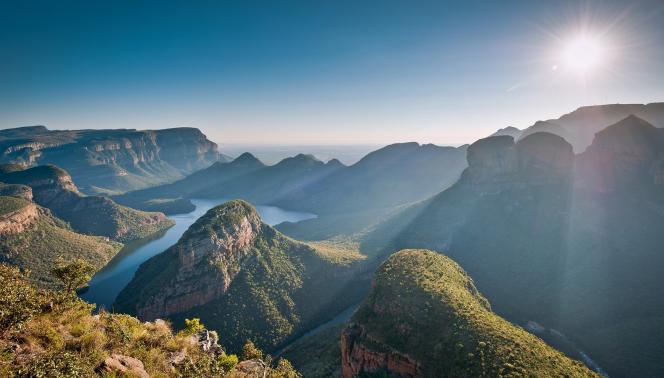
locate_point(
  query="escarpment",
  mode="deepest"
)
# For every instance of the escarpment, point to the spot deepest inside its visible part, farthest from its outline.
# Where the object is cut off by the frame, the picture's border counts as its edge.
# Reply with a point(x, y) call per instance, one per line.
point(111, 161)
point(17, 215)
point(244, 279)
point(497, 163)
point(425, 318)
point(53, 187)
point(208, 260)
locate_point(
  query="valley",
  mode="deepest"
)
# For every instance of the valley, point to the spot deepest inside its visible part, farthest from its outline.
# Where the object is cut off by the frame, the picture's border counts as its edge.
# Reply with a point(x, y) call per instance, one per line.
point(107, 283)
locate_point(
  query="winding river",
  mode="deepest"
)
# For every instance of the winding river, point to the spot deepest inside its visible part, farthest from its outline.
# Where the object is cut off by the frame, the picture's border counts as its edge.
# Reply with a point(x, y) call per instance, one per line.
point(107, 283)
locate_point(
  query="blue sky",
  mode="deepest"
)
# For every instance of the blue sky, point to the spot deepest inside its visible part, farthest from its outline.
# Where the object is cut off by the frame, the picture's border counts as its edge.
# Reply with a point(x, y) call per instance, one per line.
point(315, 72)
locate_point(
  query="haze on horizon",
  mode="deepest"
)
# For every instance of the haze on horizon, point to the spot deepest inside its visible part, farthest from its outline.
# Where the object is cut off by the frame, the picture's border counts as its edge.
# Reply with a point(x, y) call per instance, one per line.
point(312, 73)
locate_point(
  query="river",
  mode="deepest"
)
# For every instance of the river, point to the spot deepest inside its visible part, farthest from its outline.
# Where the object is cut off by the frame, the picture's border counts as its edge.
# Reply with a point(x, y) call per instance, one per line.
point(107, 283)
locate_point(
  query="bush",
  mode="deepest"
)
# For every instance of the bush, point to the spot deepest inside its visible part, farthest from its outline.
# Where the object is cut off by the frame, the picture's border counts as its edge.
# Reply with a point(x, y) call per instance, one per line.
point(250, 351)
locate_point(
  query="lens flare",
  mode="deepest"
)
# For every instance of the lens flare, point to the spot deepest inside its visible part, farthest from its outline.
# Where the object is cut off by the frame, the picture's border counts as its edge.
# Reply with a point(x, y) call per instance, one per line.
point(583, 55)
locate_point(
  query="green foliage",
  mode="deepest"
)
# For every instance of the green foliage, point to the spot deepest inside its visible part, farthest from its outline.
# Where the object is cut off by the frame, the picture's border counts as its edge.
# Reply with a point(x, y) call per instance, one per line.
point(39, 246)
point(228, 361)
point(282, 286)
point(424, 305)
point(60, 337)
point(18, 301)
point(192, 326)
point(250, 351)
point(74, 274)
point(11, 204)
point(285, 369)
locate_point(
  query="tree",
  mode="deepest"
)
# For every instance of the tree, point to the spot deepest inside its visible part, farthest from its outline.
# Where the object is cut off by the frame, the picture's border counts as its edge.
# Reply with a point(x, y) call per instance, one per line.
point(74, 274)
point(285, 369)
point(250, 351)
point(192, 326)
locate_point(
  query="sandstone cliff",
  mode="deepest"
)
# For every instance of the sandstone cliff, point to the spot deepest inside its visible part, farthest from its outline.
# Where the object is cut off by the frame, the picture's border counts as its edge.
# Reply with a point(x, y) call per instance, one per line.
point(111, 161)
point(53, 187)
point(242, 278)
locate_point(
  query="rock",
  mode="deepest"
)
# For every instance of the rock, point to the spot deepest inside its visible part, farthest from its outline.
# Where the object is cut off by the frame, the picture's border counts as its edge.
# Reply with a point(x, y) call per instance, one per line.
point(208, 341)
point(223, 246)
point(357, 358)
point(19, 220)
point(251, 368)
point(117, 363)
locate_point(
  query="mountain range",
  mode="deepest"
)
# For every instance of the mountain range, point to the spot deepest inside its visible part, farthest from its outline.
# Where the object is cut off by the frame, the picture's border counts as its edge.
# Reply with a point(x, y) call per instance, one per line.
point(111, 161)
point(579, 127)
point(570, 242)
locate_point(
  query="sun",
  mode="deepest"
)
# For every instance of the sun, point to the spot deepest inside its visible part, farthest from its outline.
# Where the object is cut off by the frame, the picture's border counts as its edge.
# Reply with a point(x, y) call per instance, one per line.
point(583, 55)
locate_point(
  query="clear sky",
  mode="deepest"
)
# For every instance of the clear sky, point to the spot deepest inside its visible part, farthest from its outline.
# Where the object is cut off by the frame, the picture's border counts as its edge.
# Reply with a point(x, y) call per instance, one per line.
point(335, 72)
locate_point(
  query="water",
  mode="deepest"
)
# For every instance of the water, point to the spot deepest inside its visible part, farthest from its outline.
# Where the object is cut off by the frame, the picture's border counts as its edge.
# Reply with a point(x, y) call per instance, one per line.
point(107, 283)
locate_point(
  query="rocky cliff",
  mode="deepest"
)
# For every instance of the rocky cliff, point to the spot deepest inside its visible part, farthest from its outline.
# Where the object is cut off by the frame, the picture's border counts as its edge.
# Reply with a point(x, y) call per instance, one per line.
point(33, 239)
point(53, 187)
point(16, 216)
point(577, 237)
point(425, 318)
point(111, 160)
point(242, 278)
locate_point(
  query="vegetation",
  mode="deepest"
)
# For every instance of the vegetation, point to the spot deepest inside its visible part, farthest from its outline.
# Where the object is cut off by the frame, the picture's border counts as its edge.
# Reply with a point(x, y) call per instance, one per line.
point(74, 274)
point(424, 305)
point(48, 239)
point(317, 355)
point(46, 334)
point(9, 204)
point(53, 188)
point(278, 287)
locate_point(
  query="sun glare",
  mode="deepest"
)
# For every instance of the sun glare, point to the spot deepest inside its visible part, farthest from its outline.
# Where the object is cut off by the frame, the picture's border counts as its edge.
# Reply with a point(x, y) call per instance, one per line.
point(583, 55)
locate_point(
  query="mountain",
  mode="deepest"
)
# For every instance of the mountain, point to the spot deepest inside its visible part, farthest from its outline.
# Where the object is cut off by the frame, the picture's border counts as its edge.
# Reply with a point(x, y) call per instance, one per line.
point(111, 161)
point(571, 243)
point(32, 238)
point(44, 333)
point(53, 187)
point(580, 126)
point(509, 131)
point(346, 198)
point(424, 317)
point(244, 279)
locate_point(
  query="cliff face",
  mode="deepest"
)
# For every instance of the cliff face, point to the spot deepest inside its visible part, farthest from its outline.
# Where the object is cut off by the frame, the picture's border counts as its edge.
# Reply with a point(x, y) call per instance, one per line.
point(359, 355)
point(569, 234)
point(53, 187)
point(19, 219)
point(242, 278)
point(425, 318)
point(497, 163)
point(207, 263)
point(111, 160)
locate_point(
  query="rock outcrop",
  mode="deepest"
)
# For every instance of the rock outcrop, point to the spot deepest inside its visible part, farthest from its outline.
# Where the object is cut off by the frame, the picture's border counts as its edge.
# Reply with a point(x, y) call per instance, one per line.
point(207, 261)
point(496, 163)
point(53, 188)
point(425, 318)
point(18, 220)
point(242, 278)
point(358, 357)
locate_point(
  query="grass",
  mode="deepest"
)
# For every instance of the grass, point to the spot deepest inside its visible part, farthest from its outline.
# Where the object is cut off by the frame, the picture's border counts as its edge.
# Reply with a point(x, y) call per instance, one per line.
point(10, 204)
point(58, 336)
point(40, 246)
